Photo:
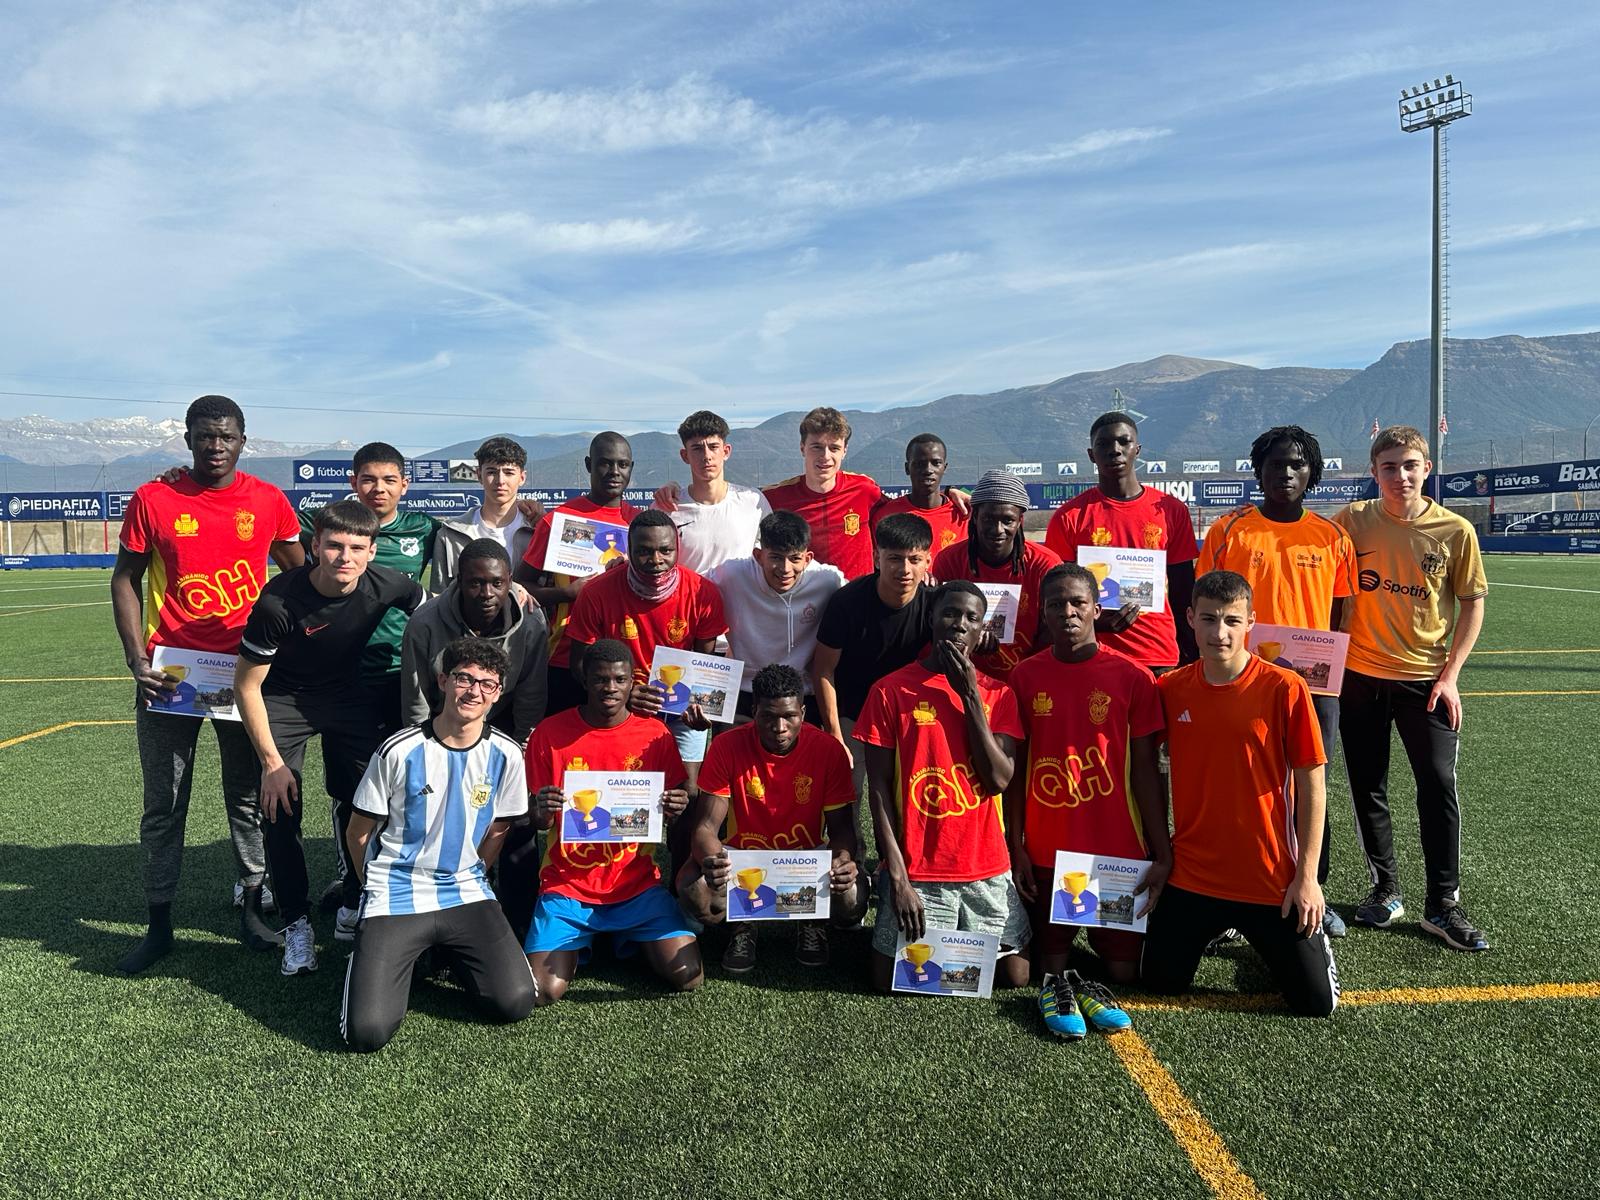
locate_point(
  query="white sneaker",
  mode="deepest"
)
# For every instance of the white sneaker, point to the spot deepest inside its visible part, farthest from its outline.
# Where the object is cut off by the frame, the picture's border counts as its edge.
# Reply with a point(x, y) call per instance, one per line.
point(345, 922)
point(299, 948)
point(268, 901)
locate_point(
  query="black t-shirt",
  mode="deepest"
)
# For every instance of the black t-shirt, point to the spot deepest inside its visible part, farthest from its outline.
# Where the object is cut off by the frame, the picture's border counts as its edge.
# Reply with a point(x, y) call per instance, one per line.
point(314, 642)
point(872, 638)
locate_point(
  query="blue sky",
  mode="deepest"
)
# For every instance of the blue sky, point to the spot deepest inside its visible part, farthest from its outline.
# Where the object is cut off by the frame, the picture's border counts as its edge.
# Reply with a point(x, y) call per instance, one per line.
point(558, 215)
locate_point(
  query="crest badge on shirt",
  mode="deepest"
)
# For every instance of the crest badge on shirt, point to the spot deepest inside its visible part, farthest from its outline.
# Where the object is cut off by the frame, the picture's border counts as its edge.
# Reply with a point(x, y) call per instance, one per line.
point(1043, 706)
point(410, 546)
point(184, 525)
point(802, 789)
point(244, 524)
point(1099, 706)
point(1100, 537)
point(1152, 536)
point(677, 629)
point(852, 524)
point(480, 795)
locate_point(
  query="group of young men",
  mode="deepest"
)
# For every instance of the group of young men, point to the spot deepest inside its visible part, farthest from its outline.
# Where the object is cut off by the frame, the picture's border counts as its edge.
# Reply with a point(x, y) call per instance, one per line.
point(449, 721)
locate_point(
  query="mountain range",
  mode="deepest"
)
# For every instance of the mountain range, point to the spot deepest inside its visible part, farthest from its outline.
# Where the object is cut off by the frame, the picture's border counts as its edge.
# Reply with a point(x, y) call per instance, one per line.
point(1519, 399)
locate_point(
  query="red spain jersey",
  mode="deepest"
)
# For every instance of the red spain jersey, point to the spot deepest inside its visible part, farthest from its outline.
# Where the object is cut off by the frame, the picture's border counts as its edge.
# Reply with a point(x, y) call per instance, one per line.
point(949, 527)
point(208, 556)
point(950, 832)
point(1233, 746)
point(608, 608)
point(539, 546)
point(1080, 720)
point(597, 872)
point(1036, 561)
point(839, 520)
point(1152, 520)
point(777, 801)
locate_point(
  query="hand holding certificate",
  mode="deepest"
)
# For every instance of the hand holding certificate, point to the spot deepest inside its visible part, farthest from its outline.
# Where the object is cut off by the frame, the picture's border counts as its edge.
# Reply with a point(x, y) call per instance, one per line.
point(204, 683)
point(1127, 576)
point(687, 678)
point(603, 806)
point(581, 546)
point(1004, 600)
point(768, 885)
point(1316, 655)
point(947, 962)
point(1096, 890)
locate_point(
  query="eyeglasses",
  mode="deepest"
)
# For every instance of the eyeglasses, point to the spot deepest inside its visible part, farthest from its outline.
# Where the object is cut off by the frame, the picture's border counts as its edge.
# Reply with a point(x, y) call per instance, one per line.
point(489, 687)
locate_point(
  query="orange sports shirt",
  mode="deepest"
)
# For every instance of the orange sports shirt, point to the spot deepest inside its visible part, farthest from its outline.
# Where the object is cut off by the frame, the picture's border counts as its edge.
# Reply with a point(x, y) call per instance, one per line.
point(1295, 568)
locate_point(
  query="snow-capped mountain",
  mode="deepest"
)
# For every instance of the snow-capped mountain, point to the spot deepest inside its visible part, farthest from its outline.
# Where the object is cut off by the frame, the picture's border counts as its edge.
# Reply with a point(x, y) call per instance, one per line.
point(46, 441)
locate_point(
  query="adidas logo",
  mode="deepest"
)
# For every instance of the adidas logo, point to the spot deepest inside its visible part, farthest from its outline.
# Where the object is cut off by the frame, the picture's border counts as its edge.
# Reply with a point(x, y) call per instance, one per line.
point(1184, 719)
point(427, 788)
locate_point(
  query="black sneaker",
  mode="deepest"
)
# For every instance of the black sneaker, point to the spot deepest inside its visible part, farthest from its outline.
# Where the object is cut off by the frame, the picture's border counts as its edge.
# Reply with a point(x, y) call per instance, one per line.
point(1228, 937)
point(1381, 908)
point(740, 956)
point(1451, 923)
point(811, 944)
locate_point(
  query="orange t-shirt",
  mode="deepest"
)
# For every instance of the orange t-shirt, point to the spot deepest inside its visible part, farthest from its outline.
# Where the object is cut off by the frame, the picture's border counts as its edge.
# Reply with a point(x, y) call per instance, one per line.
point(1152, 520)
point(949, 526)
point(608, 608)
point(539, 546)
point(777, 801)
point(1036, 562)
point(597, 872)
point(1080, 719)
point(950, 832)
point(1295, 568)
point(1233, 746)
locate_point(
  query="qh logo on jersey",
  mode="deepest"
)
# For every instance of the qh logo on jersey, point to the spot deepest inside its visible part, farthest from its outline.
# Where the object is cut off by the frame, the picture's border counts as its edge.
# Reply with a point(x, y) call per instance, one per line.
point(479, 795)
point(852, 524)
point(802, 789)
point(1099, 706)
point(244, 524)
point(186, 526)
point(677, 629)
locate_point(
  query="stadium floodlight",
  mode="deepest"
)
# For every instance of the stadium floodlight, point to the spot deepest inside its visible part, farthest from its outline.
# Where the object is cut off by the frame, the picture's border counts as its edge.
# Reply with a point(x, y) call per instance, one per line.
point(1436, 109)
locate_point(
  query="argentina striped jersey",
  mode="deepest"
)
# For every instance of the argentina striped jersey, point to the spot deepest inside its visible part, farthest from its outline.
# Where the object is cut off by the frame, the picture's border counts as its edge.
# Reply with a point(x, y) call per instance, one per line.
point(435, 805)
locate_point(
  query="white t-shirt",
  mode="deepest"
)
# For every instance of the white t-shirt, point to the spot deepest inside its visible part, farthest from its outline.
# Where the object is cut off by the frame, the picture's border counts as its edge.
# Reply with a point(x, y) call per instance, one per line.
point(500, 533)
point(711, 534)
point(765, 626)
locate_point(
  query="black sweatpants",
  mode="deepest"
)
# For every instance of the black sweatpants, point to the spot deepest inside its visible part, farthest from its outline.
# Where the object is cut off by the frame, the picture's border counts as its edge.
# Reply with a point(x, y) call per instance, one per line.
point(1184, 922)
point(1367, 708)
point(1327, 710)
point(352, 726)
point(473, 937)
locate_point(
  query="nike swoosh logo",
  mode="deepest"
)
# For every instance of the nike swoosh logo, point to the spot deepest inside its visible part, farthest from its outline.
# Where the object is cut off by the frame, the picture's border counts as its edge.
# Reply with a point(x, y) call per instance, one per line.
point(1365, 553)
point(312, 629)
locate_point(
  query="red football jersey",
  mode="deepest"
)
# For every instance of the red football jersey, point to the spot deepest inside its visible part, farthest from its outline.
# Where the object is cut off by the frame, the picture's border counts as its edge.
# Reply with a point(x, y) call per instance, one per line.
point(840, 532)
point(208, 556)
point(1036, 561)
point(777, 801)
point(949, 527)
point(608, 608)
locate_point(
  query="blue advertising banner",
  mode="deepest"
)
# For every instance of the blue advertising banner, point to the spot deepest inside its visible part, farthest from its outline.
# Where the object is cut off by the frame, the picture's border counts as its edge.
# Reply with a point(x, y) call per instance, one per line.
point(322, 470)
point(1546, 522)
point(425, 472)
point(117, 504)
point(1574, 475)
point(52, 506)
point(39, 562)
point(1224, 493)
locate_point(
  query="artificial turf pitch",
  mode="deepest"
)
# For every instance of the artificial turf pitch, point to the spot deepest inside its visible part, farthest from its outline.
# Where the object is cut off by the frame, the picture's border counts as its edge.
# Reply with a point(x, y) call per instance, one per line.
point(1442, 1074)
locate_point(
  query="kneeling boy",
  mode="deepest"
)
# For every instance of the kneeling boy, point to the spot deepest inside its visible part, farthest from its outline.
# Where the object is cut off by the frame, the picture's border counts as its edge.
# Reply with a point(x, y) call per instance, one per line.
point(587, 888)
point(440, 797)
point(780, 784)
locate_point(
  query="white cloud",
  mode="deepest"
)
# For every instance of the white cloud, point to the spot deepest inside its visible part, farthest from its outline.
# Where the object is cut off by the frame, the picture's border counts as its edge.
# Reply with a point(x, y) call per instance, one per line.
point(691, 112)
point(619, 235)
point(1525, 232)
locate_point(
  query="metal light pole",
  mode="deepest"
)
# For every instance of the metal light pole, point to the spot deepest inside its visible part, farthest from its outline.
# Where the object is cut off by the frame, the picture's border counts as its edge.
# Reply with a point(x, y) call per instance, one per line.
point(1425, 107)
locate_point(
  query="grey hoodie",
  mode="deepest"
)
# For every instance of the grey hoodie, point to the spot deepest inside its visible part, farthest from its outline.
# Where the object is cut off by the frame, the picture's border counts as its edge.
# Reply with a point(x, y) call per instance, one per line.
point(452, 537)
point(522, 634)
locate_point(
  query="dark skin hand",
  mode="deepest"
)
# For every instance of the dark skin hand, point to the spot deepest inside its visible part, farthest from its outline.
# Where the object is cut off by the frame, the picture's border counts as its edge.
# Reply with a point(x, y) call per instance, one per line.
point(549, 802)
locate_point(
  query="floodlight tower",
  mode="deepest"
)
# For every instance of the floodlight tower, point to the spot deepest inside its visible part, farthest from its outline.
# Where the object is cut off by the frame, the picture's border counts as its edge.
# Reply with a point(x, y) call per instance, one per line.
point(1425, 107)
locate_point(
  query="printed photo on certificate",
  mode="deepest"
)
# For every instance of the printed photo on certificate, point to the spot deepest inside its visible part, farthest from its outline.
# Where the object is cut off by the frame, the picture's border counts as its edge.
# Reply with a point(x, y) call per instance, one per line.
point(205, 683)
point(1316, 655)
point(1127, 576)
point(582, 546)
point(947, 962)
point(1096, 890)
point(605, 806)
point(703, 679)
point(779, 885)
point(1004, 600)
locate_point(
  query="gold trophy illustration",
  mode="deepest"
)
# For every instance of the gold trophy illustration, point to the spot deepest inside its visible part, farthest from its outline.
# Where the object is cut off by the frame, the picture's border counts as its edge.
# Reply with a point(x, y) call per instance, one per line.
point(1074, 884)
point(750, 880)
point(1269, 650)
point(918, 954)
point(585, 801)
point(1100, 571)
point(670, 674)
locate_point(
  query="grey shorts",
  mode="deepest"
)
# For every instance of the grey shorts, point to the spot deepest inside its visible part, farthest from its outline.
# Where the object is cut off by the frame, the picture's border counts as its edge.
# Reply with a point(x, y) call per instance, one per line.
point(985, 906)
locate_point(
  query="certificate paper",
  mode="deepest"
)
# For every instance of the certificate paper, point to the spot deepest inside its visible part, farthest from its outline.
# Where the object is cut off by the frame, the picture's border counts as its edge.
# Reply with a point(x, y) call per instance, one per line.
point(1004, 599)
point(1127, 576)
point(779, 885)
point(581, 546)
point(1316, 655)
point(603, 806)
point(1097, 890)
point(947, 962)
point(205, 683)
point(703, 679)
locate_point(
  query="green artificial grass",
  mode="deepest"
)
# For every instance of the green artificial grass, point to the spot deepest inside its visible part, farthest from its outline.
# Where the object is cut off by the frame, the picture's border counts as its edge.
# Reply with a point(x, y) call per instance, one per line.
point(215, 1076)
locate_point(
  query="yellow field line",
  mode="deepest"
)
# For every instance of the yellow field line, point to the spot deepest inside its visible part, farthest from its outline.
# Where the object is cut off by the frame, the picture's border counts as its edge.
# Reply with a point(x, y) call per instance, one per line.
point(1253, 1001)
point(1213, 1161)
point(39, 733)
point(71, 679)
point(1593, 692)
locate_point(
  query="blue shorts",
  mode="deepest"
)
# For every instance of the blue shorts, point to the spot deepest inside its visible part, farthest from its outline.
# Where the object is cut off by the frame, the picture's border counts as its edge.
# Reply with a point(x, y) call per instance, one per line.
point(562, 923)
